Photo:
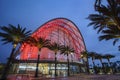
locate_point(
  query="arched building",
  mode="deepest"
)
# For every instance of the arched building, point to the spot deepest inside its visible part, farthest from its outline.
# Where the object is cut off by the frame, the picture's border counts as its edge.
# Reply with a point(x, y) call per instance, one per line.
point(62, 31)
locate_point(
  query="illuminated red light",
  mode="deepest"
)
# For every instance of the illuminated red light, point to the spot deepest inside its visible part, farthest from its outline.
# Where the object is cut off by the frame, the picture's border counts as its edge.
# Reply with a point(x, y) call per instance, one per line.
point(60, 30)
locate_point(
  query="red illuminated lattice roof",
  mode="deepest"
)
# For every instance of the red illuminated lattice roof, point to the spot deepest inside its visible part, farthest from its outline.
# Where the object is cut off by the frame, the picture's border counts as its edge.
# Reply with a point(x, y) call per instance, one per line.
point(60, 30)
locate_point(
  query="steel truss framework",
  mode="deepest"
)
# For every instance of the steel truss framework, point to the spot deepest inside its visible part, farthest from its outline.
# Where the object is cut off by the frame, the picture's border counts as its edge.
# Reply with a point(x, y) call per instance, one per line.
point(60, 30)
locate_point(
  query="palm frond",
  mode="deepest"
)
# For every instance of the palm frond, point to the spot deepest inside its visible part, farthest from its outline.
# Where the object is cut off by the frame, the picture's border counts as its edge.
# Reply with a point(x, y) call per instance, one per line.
point(108, 56)
point(108, 15)
point(12, 34)
point(41, 42)
point(67, 50)
point(54, 47)
point(115, 40)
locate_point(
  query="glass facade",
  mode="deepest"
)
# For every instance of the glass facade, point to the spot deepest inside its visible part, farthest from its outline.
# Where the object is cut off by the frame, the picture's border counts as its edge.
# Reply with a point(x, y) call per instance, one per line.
point(47, 69)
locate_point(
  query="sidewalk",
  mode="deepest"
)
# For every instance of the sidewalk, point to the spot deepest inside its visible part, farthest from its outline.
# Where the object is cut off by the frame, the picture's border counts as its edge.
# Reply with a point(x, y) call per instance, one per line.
point(75, 77)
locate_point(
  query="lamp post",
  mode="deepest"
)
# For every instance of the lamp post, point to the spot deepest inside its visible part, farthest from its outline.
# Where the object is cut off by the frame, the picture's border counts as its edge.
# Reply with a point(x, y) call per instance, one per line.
point(71, 57)
point(72, 62)
point(81, 56)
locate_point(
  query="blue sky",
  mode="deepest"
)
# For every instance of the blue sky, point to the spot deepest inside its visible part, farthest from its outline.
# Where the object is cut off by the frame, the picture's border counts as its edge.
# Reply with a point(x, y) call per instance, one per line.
point(33, 13)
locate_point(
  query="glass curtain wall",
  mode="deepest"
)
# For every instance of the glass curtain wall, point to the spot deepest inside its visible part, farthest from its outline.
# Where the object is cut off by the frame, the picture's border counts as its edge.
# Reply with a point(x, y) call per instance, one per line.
point(45, 69)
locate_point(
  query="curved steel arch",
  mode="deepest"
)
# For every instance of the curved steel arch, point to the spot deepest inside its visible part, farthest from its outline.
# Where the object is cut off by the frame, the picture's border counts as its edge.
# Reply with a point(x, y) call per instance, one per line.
point(60, 30)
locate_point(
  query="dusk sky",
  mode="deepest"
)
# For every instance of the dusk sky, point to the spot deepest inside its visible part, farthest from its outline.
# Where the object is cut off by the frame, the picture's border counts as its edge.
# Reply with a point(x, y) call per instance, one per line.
point(33, 13)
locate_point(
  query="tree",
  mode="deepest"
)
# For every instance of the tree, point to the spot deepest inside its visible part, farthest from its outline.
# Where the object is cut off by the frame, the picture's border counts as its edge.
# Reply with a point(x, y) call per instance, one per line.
point(93, 55)
point(85, 56)
point(111, 33)
point(106, 18)
point(56, 48)
point(108, 57)
point(97, 3)
point(100, 57)
point(66, 50)
point(39, 43)
point(15, 36)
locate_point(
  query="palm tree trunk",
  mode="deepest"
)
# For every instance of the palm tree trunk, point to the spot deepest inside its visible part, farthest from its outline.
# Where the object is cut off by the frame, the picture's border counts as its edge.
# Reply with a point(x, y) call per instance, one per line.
point(93, 62)
point(87, 65)
point(7, 67)
point(36, 72)
point(101, 62)
point(55, 65)
point(110, 65)
point(93, 65)
point(109, 62)
point(68, 65)
point(103, 68)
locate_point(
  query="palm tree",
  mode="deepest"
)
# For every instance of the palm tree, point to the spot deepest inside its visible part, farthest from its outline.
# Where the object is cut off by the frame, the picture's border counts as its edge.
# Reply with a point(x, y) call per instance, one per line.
point(55, 47)
point(85, 56)
point(100, 57)
point(66, 50)
point(93, 55)
point(97, 3)
point(107, 19)
point(108, 57)
point(110, 33)
point(109, 16)
point(15, 36)
point(39, 43)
